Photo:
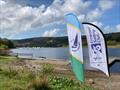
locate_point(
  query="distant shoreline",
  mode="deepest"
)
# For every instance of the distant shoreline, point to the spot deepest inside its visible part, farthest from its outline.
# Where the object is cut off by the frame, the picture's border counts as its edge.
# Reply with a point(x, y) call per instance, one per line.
point(109, 46)
point(113, 46)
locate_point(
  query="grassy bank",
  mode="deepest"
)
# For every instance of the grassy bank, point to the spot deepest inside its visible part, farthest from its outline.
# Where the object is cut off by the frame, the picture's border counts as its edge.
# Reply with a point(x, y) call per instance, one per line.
point(114, 46)
point(12, 78)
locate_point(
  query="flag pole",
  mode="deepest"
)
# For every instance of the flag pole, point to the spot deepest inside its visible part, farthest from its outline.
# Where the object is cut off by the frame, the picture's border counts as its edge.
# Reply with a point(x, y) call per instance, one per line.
point(109, 83)
point(92, 73)
point(109, 78)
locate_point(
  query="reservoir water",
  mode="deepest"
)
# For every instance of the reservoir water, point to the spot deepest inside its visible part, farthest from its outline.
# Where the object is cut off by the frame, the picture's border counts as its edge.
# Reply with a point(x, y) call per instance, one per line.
point(63, 53)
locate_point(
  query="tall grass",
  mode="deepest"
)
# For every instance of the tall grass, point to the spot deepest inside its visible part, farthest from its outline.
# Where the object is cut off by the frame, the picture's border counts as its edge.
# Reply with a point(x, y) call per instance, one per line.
point(47, 69)
point(46, 79)
point(8, 72)
point(40, 83)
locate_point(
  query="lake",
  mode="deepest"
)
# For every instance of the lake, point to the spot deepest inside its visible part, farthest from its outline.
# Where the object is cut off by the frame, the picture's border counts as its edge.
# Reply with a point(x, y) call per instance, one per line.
point(62, 53)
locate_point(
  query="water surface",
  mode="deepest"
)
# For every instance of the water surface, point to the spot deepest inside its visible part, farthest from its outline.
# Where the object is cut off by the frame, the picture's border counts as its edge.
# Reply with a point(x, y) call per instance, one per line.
point(63, 53)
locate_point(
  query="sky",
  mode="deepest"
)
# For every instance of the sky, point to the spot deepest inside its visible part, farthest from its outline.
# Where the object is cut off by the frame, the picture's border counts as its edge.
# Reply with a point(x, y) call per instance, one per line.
point(21, 19)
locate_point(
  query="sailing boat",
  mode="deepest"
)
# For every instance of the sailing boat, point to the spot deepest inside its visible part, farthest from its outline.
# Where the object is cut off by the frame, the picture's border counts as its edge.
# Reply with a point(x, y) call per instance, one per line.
point(75, 42)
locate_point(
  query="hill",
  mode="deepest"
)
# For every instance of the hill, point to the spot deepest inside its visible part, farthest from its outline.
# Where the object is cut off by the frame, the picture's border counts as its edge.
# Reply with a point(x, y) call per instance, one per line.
point(42, 42)
point(112, 39)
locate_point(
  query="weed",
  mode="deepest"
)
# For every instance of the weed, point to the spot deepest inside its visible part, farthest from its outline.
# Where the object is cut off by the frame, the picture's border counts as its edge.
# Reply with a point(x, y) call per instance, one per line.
point(47, 69)
point(40, 83)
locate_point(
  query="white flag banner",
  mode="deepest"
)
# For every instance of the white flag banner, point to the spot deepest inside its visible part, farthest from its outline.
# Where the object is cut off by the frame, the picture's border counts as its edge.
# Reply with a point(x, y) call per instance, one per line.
point(97, 47)
point(75, 44)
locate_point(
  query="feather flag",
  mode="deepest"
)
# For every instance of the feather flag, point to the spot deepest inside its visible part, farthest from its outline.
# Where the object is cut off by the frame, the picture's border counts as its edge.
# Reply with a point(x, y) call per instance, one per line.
point(75, 45)
point(97, 47)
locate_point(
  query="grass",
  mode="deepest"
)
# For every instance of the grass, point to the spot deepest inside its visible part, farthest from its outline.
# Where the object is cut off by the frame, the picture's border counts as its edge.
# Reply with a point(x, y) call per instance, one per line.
point(11, 79)
point(40, 83)
point(47, 69)
point(114, 46)
point(6, 59)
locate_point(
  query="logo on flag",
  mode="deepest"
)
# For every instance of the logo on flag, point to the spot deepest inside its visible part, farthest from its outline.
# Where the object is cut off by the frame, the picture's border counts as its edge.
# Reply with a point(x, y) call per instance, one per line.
point(95, 44)
point(97, 48)
point(75, 43)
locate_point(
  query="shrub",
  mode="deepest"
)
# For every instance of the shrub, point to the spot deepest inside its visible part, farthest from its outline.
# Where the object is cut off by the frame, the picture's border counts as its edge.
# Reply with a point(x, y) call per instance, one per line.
point(9, 72)
point(63, 83)
point(111, 42)
point(0, 68)
point(39, 83)
point(47, 69)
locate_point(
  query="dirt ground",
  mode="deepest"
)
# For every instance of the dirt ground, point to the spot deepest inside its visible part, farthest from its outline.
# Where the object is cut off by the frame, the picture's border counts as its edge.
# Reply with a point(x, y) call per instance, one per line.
point(97, 79)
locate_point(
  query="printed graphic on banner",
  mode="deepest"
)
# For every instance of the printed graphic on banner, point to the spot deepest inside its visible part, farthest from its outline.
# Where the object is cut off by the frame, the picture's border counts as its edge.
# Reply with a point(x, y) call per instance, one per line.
point(97, 48)
point(95, 44)
point(75, 43)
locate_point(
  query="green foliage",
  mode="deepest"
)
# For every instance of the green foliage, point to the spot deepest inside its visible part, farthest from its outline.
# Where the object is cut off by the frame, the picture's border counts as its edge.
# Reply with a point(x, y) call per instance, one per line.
point(111, 42)
point(60, 82)
point(47, 69)
point(6, 59)
point(3, 47)
point(9, 73)
point(12, 79)
point(42, 42)
point(65, 83)
point(40, 83)
point(58, 41)
point(53, 82)
point(5, 43)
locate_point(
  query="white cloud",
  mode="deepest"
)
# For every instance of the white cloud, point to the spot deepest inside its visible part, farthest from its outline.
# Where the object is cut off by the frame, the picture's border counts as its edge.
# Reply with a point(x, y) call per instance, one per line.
point(2, 2)
point(108, 29)
point(118, 28)
point(106, 4)
point(77, 6)
point(97, 13)
point(57, 10)
point(94, 14)
point(15, 18)
point(51, 33)
point(99, 24)
point(82, 18)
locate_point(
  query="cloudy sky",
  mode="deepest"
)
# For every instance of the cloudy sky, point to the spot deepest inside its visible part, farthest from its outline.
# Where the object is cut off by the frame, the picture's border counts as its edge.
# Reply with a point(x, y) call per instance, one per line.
point(40, 18)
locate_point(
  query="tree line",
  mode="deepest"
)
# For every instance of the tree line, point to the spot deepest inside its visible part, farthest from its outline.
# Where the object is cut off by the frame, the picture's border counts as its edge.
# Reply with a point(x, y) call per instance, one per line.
point(6, 44)
point(112, 39)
